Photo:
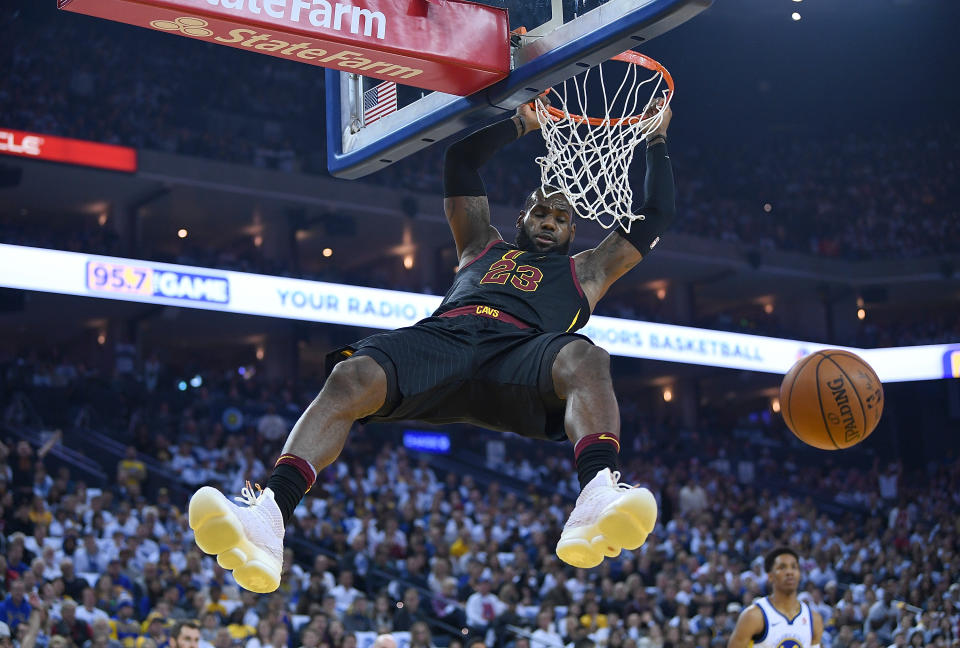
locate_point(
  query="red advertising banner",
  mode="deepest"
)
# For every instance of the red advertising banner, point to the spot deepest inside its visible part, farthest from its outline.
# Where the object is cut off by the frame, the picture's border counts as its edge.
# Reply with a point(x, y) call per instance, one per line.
point(455, 46)
point(71, 151)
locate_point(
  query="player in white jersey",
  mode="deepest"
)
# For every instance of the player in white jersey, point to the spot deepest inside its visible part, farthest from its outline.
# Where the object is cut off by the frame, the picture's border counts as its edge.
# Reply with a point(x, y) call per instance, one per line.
point(779, 620)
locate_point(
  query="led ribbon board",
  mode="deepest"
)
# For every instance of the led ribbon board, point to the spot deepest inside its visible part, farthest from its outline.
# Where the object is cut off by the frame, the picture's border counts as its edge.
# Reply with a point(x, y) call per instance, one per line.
point(87, 275)
point(456, 47)
point(64, 149)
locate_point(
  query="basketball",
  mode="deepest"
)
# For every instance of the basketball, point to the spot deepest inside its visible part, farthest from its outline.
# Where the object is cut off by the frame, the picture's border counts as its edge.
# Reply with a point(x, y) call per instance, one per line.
point(831, 399)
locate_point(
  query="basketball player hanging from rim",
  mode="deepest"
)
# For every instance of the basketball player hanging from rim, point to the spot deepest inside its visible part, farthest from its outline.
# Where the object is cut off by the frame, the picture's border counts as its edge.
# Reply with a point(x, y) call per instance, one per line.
point(500, 352)
point(779, 620)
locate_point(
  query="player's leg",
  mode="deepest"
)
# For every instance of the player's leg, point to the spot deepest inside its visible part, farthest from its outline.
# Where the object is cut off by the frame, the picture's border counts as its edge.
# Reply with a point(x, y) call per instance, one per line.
point(609, 516)
point(356, 388)
point(249, 539)
point(581, 377)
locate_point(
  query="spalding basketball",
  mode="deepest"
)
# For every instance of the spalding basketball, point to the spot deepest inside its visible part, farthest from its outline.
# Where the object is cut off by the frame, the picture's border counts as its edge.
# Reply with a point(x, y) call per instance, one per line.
point(831, 399)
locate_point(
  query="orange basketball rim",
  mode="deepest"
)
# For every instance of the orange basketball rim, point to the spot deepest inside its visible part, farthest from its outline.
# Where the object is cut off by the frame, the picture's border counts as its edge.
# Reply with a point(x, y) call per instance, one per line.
point(631, 57)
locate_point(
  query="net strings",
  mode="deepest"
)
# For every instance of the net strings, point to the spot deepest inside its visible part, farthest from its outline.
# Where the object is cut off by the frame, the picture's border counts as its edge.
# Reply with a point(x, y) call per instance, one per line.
point(590, 164)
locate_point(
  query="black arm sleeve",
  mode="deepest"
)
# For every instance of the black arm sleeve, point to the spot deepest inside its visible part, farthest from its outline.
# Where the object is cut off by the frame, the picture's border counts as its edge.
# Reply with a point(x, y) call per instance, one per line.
point(659, 206)
point(463, 158)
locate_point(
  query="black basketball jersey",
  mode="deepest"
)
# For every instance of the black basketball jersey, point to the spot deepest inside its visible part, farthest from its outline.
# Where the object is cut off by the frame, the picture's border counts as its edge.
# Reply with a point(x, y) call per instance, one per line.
point(539, 289)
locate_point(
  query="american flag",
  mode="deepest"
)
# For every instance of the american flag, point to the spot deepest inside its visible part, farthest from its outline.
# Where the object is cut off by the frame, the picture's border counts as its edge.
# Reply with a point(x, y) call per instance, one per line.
point(379, 101)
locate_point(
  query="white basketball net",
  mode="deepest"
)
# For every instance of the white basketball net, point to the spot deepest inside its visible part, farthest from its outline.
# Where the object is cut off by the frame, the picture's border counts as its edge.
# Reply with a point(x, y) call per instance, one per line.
point(588, 163)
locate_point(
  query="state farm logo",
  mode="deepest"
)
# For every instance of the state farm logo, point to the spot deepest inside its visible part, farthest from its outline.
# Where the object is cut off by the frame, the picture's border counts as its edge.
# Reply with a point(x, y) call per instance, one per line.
point(27, 145)
point(185, 25)
point(360, 21)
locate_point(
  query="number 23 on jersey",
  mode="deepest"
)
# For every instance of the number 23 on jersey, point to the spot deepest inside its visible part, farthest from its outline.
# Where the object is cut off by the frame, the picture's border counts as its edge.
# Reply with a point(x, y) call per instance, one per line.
point(521, 277)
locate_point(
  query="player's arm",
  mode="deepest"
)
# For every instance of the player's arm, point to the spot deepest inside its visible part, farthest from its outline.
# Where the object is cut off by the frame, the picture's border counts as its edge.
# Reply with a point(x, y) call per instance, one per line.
point(598, 268)
point(749, 625)
point(464, 195)
point(817, 628)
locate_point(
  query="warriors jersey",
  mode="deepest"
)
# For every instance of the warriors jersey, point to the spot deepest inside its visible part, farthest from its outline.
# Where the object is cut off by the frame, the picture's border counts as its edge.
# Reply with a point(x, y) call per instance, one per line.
point(782, 632)
point(541, 290)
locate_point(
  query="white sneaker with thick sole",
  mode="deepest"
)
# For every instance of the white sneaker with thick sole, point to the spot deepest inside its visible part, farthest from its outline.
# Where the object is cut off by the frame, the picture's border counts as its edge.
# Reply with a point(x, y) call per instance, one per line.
point(247, 540)
point(609, 517)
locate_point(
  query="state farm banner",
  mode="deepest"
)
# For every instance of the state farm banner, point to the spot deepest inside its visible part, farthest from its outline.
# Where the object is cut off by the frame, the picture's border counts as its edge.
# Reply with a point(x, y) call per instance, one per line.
point(456, 47)
point(64, 149)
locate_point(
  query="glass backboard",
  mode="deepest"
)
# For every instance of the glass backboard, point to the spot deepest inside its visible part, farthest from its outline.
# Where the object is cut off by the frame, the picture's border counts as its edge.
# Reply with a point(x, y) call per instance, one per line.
point(562, 39)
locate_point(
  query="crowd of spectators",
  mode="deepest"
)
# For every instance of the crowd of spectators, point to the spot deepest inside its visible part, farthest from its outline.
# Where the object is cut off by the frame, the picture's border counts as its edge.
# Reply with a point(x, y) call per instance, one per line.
point(444, 552)
point(859, 197)
point(936, 328)
point(55, 234)
point(193, 98)
point(867, 195)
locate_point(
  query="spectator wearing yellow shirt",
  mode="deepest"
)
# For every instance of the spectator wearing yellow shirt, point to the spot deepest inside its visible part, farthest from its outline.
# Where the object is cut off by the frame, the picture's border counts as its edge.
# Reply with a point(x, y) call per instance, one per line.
point(155, 629)
point(215, 604)
point(240, 631)
point(592, 619)
point(39, 513)
point(124, 628)
point(131, 471)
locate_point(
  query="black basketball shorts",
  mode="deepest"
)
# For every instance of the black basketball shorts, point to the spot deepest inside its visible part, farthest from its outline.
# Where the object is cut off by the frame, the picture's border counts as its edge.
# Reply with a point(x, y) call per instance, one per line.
point(469, 369)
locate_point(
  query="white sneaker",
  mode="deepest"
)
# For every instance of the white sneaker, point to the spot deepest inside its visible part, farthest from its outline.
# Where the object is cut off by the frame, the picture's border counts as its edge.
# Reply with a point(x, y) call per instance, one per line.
point(246, 539)
point(609, 516)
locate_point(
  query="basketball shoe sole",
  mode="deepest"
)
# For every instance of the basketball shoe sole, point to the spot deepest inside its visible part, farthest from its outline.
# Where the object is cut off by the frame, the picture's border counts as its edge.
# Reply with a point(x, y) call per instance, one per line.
point(238, 537)
point(621, 519)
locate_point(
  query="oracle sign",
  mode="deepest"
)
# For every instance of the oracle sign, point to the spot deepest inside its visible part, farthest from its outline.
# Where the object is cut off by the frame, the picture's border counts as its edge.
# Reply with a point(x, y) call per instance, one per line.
point(22, 145)
point(70, 151)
